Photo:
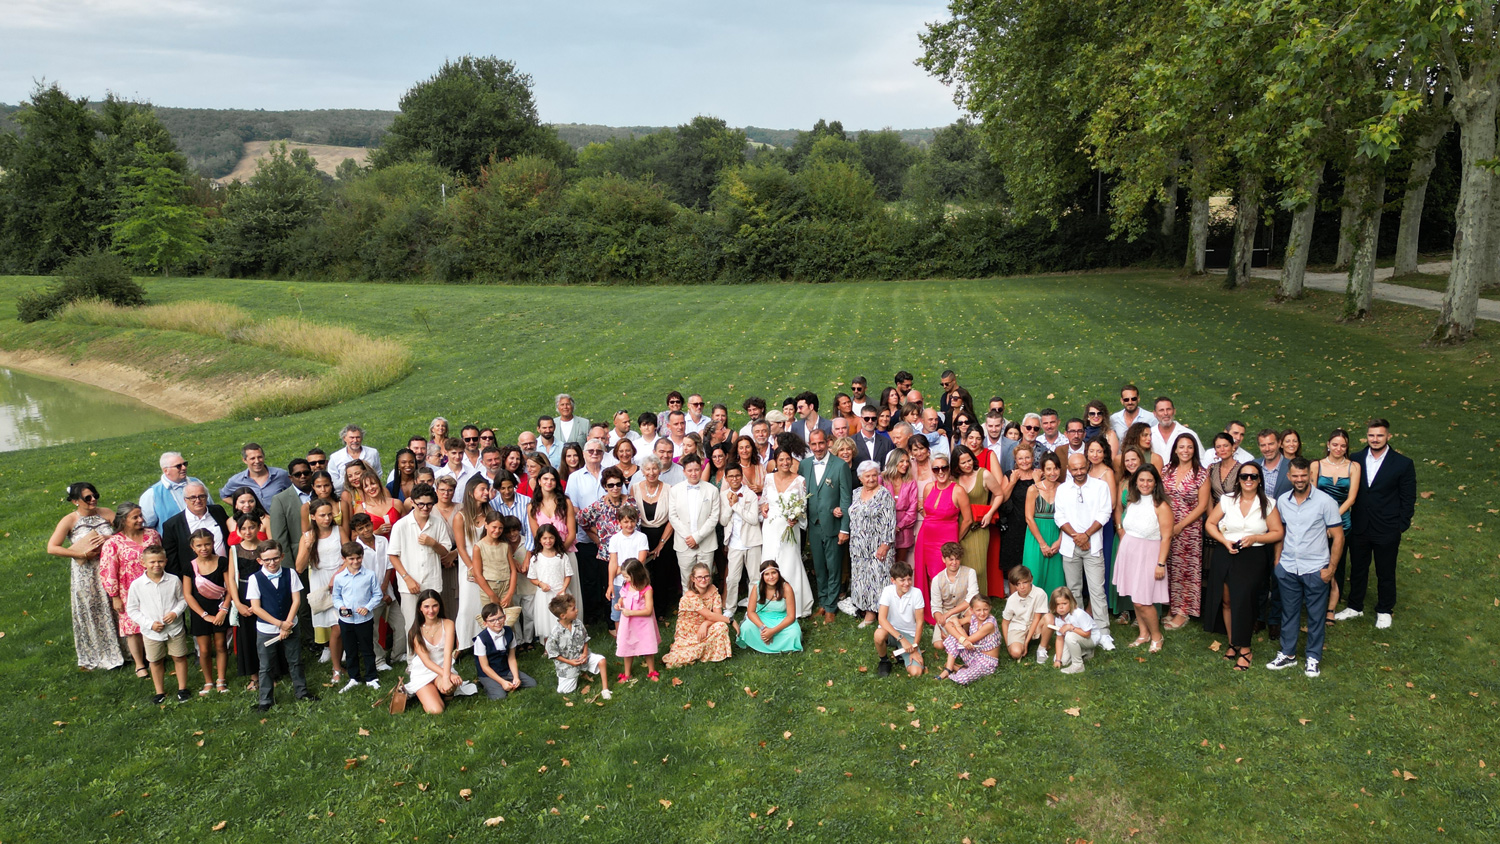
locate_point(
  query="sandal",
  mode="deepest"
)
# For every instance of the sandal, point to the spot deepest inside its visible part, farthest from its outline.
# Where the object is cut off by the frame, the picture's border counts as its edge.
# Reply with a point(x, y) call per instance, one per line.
point(1328, 622)
point(1232, 653)
point(252, 686)
point(654, 676)
point(943, 675)
point(208, 689)
point(1243, 663)
point(142, 672)
point(1140, 640)
point(1156, 645)
point(623, 678)
point(221, 687)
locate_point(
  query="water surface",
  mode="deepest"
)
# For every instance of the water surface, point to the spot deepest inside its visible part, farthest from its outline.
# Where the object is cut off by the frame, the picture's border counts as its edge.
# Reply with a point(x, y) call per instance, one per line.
point(37, 411)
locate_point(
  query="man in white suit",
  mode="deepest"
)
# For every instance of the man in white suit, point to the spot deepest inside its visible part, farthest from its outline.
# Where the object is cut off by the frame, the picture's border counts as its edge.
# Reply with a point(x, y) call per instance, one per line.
point(739, 513)
point(694, 515)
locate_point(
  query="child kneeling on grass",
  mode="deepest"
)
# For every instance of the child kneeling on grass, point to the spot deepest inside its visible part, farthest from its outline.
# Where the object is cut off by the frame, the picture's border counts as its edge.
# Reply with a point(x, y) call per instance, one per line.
point(1025, 617)
point(900, 622)
point(156, 604)
point(495, 655)
point(1075, 631)
point(568, 647)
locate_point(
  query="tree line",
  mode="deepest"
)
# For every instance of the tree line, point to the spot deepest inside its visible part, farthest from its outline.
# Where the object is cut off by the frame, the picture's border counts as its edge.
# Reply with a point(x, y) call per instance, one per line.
point(1286, 104)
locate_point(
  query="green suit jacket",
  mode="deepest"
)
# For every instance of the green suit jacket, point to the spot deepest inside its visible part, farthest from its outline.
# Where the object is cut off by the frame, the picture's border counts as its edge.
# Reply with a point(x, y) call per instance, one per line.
point(836, 490)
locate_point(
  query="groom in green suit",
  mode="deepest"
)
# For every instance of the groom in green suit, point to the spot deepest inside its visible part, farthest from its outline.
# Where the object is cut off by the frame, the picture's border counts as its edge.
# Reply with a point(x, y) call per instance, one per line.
point(828, 494)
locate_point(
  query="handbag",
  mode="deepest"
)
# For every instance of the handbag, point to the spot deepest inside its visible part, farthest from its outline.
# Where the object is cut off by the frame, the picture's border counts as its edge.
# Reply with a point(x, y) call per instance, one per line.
point(395, 700)
point(319, 600)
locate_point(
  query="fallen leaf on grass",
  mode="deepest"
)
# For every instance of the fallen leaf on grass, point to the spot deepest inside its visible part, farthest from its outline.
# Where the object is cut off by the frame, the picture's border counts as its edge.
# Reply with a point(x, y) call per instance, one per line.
point(466, 793)
point(542, 770)
point(665, 804)
point(989, 782)
point(964, 775)
point(422, 786)
point(469, 742)
point(119, 812)
point(363, 731)
point(495, 821)
point(1215, 646)
point(771, 811)
point(59, 723)
point(1072, 710)
point(350, 763)
point(910, 708)
point(957, 706)
point(916, 762)
point(220, 826)
point(200, 742)
point(863, 669)
point(1427, 494)
point(917, 723)
point(787, 734)
point(676, 681)
point(1304, 721)
point(1053, 799)
point(822, 709)
point(197, 732)
point(710, 704)
point(1408, 776)
point(750, 693)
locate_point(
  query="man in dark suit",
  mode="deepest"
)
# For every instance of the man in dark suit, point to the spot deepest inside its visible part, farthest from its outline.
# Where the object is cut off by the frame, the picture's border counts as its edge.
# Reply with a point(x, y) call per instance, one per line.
point(807, 408)
point(197, 513)
point(870, 444)
point(829, 491)
point(1381, 513)
point(286, 506)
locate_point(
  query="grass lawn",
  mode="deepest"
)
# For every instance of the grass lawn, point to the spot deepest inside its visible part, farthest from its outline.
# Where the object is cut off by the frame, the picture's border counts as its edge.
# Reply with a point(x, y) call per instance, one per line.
point(1174, 748)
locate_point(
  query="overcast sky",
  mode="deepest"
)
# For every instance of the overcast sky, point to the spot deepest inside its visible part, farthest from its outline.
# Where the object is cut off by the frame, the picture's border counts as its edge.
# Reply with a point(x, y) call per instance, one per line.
point(772, 63)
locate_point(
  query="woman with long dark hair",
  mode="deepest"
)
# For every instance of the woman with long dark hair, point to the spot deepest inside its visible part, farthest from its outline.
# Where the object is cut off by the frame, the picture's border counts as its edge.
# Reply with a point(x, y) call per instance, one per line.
point(96, 638)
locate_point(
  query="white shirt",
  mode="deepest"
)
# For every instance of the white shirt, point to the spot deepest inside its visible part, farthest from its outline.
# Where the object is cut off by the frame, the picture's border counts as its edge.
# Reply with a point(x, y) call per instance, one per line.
point(626, 548)
point(564, 429)
point(1120, 425)
point(819, 467)
point(903, 609)
point(859, 407)
point(150, 601)
point(1161, 444)
point(584, 488)
point(615, 437)
point(340, 459)
point(1079, 507)
point(206, 522)
point(673, 476)
point(376, 561)
point(749, 426)
point(424, 564)
point(1373, 463)
point(692, 500)
point(1052, 444)
point(696, 427)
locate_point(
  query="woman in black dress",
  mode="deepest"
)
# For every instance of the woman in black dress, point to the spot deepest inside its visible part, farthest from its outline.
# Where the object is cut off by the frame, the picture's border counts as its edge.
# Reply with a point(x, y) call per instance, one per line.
point(1013, 511)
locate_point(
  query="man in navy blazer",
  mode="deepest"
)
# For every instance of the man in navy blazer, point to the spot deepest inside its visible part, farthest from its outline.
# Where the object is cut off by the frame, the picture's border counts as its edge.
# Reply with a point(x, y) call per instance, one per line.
point(807, 408)
point(1381, 513)
point(870, 444)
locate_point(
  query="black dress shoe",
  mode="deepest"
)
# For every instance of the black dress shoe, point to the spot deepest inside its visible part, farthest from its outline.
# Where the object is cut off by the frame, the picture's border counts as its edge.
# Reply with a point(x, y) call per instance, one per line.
point(261, 707)
point(1273, 631)
point(884, 668)
point(310, 696)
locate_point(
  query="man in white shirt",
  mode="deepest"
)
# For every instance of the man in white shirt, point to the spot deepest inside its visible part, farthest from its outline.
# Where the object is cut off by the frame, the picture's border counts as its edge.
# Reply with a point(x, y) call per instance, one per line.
point(1167, 430)
point(1236, 431)
point(695, 421)
point(676, 431)
point(622, 431)
point(1082, 507)
point(755, 408)
point(586, 485)
point(420, 546)
point(671, 473)
point(932, 429)
point(760, 433)
point(547, 442)
point(354, 449)
point(694, 514)
point(997, 405)
point(1130, 413)
point(857, 395)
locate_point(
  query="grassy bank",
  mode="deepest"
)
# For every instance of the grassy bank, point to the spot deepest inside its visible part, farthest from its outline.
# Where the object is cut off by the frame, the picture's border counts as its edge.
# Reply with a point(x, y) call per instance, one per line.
point(1175, 748)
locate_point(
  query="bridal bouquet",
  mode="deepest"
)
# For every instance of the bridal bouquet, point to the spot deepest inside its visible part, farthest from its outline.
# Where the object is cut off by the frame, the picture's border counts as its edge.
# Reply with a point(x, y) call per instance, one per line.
point(793, 506)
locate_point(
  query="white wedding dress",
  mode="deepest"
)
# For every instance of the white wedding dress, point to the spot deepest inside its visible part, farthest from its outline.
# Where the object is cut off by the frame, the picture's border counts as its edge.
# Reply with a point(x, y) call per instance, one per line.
point(786, 552)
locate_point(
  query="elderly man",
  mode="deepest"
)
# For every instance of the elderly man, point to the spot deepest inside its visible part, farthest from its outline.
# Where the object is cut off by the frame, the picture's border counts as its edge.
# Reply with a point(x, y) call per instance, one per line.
point(900, 434)
point(760, 434)
point(526, 442)
point(1082, 508)
point(265, 481)
point(197, 513)
point(932, 429)
point(671, 473)
point(354, 449)
point(695, 420)
point(163, 499)
point(839, 426)
point(570, 428)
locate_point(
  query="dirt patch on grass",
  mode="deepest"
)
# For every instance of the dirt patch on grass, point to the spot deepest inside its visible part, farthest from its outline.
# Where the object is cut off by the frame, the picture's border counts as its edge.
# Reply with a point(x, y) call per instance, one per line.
point(328, 158)
point(1111, 817)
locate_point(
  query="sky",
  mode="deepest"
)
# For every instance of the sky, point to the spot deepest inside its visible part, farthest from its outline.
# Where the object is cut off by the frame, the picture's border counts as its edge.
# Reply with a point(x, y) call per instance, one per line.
point(771, 63)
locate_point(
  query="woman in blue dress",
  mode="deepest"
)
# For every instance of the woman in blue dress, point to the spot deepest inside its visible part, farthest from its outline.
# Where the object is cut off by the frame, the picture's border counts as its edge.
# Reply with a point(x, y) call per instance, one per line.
point(1338, 476)
point(771, 621)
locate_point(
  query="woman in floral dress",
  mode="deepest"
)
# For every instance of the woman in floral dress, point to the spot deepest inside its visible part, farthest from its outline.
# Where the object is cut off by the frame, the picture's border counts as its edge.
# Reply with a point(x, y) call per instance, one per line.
point(702, 628)
point(872, 540)
point(120, 565)
point(1184, 478)
point(95, 632)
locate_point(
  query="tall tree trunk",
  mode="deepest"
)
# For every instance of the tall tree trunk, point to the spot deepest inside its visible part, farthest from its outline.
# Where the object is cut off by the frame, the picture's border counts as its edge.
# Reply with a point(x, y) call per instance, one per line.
point(1197, 249)
point(1369, 198)
point(1474, 109)
point(1294, 265)
point(1246, 218)
point(1416, 197)
point(1346, 229)
point(1169, 205)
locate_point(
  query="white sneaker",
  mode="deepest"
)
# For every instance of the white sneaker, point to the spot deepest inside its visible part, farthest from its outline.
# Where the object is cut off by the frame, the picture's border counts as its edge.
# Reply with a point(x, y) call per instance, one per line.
point(326, 657)
point(349, 685)
point(374, 684)
point(1107, 642)
point(1041, 655)
point(1312, 668)
point(1073, 668)
point(1382, 620)
point(1347, 613)
point(382, 666)
point(606, 694)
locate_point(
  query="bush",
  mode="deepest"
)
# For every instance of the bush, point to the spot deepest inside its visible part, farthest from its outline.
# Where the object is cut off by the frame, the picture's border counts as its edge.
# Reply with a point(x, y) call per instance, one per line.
point(98, 276)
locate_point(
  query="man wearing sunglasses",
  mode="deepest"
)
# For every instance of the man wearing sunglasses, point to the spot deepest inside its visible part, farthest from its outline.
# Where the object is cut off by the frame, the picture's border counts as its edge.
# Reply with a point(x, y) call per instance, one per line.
point(1130, 413)
point(286, 506)
point(163, 499)
point(696, 421)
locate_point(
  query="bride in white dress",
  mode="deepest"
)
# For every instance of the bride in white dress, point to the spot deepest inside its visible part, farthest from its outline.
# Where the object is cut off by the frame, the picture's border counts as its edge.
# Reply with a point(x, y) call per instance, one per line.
point(783, 503)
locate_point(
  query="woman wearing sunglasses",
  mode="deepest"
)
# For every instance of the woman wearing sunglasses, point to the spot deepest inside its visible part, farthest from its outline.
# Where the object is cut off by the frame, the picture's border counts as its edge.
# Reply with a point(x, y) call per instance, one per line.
point(95, 636)
point(1246, 526)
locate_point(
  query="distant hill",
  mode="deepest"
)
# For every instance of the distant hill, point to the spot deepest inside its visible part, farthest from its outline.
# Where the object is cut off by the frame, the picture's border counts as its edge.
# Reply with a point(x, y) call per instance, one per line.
point(214, 140)
point(328, 158)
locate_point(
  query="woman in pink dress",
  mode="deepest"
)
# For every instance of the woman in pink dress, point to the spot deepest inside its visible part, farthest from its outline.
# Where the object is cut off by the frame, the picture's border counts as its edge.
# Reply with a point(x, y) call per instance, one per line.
point(947, 517)
point(120, 565)
point(1183, 479)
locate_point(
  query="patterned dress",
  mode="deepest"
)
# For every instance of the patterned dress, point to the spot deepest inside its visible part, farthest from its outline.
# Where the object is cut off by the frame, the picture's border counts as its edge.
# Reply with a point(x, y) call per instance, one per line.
point(1185, 563)
point(871, 524)
point(94, 627)
point(687, 648)
point(976, 662)
point(119, 566)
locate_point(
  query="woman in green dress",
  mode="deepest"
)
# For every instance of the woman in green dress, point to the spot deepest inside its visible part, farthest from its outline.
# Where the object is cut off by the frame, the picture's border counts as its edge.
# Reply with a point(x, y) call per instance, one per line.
point(771, 621)
point(1042, 542)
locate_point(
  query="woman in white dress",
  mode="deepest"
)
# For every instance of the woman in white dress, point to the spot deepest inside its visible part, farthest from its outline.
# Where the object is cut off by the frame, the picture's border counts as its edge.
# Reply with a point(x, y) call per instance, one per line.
point(318, 560)
point(783, 510)
point(430, 642)
point(468, 527)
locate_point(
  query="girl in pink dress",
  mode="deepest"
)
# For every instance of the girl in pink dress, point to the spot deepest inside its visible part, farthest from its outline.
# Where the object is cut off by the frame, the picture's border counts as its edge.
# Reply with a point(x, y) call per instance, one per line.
point(636, 633)
point(945, 520)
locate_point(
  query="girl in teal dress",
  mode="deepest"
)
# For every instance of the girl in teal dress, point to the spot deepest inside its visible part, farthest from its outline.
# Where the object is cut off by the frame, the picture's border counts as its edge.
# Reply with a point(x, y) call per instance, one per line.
point(771, 622)
point(1338, 476)
point(1046, 569)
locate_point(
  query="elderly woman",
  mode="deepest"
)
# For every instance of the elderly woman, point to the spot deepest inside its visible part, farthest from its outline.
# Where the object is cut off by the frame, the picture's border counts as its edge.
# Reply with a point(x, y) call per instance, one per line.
point(120, 565)
point(651, 496)
point(872, 539)
point(702, 627)
point(95, 632)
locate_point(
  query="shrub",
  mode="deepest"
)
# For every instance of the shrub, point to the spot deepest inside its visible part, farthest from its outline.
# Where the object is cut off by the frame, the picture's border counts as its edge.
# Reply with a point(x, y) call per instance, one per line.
point(99, 276)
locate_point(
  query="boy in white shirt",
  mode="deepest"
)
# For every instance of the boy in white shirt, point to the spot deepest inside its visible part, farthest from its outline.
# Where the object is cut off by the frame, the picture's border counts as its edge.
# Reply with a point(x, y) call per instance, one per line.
point(1025, 617)
point(626, 544)
point(1075, 631)
point(900, 622)
point(156, 604)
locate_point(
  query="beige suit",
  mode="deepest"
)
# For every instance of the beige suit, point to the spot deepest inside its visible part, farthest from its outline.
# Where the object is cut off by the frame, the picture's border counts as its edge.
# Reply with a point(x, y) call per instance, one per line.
point(702, 528)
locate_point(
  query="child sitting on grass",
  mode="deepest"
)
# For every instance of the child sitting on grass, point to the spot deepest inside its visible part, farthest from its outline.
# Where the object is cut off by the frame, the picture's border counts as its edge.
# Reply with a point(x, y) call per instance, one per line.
point(568, 647)
point(1075, 631)
point(156, 604)
point(899, 624)
point(1025, 616)
point(495, 654)
point(951, 589)
point(978, 649)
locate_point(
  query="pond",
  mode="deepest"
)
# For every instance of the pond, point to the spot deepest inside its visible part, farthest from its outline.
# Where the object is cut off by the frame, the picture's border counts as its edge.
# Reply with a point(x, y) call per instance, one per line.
point(37, 411)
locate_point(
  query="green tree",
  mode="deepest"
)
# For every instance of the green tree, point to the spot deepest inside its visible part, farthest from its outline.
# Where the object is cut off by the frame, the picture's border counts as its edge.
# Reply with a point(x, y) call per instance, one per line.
point(51, 205)
point(471, 110)
point(701, 150)
point(887, 158)
point(156, 227)
point(268, 220)
point(956, 168)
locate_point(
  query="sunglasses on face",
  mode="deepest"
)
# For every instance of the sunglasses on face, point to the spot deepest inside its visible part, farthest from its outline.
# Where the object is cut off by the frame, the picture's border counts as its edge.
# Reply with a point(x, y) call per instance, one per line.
point(939, 468)
point(1249, 477)
point(1030, 428)
point(1095, 413)
point(490, 437)
point(317, 463)
point(182, 465)
point(90, 499)
point(471, 439)
point(612, 485)
point(1130, 399)
point(301, 474)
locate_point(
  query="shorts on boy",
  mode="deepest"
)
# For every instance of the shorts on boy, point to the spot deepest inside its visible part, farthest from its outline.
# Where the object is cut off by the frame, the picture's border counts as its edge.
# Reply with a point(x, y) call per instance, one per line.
point(1016, 632)
point(893, 644)
point(175, 646)
point(569, 685)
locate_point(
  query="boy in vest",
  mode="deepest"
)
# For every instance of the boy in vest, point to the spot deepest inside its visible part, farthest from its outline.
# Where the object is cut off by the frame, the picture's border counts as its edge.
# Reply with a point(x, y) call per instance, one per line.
point(156, 604)
point(275, 593)
point(495, 656)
